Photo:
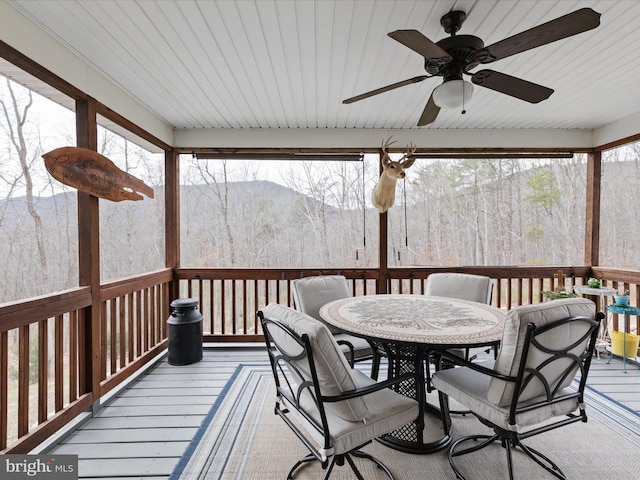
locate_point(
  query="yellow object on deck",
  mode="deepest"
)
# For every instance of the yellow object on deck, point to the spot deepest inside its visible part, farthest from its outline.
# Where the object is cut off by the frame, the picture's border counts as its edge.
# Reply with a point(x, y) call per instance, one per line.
point(631, 344)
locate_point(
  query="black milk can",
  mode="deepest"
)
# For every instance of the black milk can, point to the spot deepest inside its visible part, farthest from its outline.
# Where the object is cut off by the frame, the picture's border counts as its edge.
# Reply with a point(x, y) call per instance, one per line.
point(185, 332)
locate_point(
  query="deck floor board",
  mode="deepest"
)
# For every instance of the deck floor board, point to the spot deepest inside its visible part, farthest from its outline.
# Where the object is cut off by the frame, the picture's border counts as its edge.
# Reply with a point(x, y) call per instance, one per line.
point(142, 431)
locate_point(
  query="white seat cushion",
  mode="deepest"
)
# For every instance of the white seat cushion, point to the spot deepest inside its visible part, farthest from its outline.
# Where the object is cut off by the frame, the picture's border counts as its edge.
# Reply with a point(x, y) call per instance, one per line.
point(471, 388)
point(386, 411)
point(475, 288)
point(311, 293)
point(513, 336)
point(334, 374)
point(361, 348)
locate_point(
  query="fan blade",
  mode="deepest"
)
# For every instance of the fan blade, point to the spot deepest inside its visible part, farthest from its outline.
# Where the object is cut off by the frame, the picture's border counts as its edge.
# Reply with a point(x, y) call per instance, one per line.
point(386, 89)
point(515, 87)
point(562, 27)
point(430, 112)
point(417, 42)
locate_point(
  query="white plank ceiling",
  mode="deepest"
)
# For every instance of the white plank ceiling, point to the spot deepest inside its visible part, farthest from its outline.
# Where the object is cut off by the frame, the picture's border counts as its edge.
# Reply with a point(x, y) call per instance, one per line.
point(279, 64)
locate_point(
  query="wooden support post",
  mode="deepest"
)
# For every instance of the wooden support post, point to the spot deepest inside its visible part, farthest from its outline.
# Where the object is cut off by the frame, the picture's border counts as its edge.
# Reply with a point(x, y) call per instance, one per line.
point(592, 218)
point(89, 260)
point(172, 217)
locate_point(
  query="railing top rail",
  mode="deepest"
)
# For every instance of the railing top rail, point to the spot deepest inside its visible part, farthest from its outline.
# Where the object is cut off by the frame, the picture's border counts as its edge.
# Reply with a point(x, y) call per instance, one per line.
point(135, 283)
point(272, 273)
point(23, 312)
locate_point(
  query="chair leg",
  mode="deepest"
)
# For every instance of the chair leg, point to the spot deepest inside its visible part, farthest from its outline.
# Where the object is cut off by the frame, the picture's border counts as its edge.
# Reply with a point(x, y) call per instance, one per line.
point(375, 365)
point(339, 460)
point(377, 356)
point(381, 466)
point(302, 461)
point(543, 461)
point(453, 452)
point(507, 448)
point(508, 445)
point(353, 467)
point(330, 468)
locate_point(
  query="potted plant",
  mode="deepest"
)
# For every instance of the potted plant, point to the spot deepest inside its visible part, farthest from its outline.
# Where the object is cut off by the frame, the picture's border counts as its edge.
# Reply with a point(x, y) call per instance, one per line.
point(622, 300)
point(549, 295)
point(593, 282)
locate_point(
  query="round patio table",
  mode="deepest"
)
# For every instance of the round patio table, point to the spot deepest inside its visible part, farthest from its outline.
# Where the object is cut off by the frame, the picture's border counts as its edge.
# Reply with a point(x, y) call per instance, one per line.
point(410, 328)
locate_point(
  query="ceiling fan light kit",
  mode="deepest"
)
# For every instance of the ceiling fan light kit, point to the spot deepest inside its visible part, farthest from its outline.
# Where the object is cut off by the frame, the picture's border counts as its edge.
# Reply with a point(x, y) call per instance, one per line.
point(453, 94)
point(456, 55)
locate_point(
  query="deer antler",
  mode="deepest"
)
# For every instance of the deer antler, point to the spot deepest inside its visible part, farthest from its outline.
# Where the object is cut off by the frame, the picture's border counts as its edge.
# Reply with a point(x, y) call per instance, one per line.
point(411, 149)
point(387, 143)
point(385, 154)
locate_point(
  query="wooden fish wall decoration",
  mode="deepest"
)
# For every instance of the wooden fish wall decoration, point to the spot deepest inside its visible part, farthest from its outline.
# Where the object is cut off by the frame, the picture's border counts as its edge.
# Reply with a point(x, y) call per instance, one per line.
point(90, 172)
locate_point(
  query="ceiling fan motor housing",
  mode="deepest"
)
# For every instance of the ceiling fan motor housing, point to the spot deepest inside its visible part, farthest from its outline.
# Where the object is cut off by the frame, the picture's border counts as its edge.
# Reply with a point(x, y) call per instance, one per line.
point(462, 49)
point(452, 21)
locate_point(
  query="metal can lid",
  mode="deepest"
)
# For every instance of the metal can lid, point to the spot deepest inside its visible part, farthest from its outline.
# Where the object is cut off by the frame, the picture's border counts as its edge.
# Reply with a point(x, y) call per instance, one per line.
point(185, 303)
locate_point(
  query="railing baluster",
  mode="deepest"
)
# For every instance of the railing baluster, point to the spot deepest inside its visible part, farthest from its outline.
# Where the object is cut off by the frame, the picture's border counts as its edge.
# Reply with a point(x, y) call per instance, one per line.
point(58, 364)
point(244, 307)
point(4, 389)
point(23, 380)
point(255, 305)
point(113, 335)
point(132, 328)
point(233, 307)
point(122, 337)
point(201, 292)
point(209, 312)
point(73, 355)
point(43, 370)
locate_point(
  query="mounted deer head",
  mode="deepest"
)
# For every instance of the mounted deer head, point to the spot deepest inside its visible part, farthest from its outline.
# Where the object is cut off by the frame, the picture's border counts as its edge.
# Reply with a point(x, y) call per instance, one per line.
point(384, 193)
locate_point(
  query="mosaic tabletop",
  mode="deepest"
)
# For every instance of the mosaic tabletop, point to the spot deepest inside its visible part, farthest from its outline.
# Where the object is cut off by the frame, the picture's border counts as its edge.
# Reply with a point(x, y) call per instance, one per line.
point(417, 319)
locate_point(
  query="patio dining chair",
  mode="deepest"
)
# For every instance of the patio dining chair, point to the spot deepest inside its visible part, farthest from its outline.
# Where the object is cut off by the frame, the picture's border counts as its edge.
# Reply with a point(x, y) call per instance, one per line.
point(311, 293)
point(530, 389)
point(464, 286)
point(333, 409)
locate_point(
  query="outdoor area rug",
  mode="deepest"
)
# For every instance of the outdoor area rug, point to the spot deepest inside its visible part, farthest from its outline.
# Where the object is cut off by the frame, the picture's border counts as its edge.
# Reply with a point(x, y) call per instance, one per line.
point(242, 438)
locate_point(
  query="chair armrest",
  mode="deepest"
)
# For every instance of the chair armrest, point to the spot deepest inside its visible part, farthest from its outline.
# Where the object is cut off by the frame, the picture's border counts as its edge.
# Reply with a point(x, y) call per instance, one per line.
point(359, 392)
point(456, 360)
point(352, 353)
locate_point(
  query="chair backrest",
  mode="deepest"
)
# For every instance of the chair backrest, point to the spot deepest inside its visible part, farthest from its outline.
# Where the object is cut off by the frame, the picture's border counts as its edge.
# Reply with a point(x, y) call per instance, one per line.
point(546, 344)
point(307, 350)
point(311, 293)
point(465, 286)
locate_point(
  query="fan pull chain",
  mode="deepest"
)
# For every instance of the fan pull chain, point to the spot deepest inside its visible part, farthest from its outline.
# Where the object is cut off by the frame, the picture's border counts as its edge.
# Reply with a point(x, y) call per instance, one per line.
point(463, 109)
point(364, 211)
point(406, 228)
point(364, 207)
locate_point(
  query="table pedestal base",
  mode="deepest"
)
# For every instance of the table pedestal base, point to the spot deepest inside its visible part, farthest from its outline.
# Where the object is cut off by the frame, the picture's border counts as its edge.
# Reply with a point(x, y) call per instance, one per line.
point(431, 432)
point(398, 439)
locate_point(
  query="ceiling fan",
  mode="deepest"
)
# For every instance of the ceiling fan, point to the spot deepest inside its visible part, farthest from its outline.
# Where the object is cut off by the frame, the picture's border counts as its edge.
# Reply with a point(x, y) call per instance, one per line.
point(456, 55)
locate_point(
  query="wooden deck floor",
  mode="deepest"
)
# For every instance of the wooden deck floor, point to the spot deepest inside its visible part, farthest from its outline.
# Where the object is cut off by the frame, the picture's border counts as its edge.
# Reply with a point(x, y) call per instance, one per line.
point(142, 432)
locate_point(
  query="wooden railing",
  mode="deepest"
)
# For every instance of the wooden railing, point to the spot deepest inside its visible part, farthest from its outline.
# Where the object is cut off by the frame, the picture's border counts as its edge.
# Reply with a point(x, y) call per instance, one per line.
point(621, 280)
point(49, 345)
point(229, 298)
point(33, 388)
point(133, 325)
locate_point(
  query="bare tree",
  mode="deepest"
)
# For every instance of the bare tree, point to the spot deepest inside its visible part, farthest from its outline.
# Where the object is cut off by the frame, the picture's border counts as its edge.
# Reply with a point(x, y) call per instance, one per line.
point(16, 114)
point(315, 183)
point(220, 183)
